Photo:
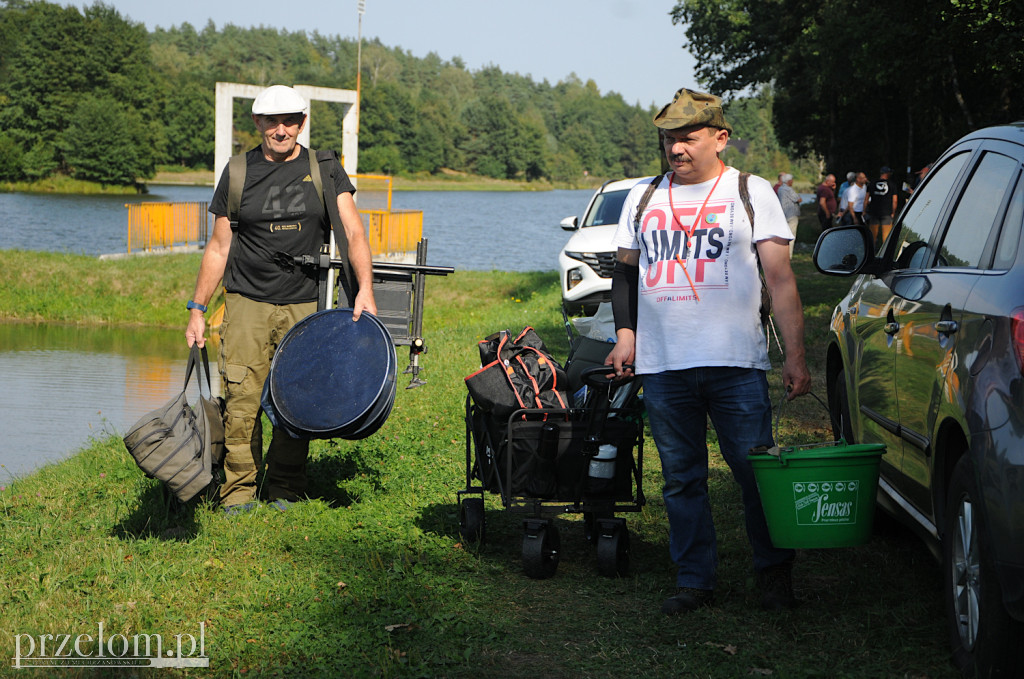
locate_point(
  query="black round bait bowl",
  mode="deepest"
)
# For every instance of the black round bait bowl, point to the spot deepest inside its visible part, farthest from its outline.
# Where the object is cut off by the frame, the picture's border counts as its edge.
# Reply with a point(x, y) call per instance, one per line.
point(332, 377)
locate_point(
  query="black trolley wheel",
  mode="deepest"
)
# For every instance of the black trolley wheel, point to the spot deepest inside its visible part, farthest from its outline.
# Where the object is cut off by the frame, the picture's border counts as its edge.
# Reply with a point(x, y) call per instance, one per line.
point(612, 548)
point(541, 549)
point(472, 525)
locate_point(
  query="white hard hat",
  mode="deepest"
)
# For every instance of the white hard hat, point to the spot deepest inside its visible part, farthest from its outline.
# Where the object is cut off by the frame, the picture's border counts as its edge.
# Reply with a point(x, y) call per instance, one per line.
point(278, 100)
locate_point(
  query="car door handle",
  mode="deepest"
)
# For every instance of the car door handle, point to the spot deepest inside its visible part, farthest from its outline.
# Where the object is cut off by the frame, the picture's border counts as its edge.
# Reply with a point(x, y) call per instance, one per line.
point(892, 327)
point(947, 327)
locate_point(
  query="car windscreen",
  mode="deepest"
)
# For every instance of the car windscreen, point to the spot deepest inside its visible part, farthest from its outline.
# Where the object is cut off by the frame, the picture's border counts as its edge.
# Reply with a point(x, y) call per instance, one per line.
point(606, 208)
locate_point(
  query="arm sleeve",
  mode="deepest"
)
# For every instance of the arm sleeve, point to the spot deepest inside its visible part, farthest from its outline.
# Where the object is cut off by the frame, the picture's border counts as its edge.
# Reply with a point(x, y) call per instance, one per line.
point(625, 289)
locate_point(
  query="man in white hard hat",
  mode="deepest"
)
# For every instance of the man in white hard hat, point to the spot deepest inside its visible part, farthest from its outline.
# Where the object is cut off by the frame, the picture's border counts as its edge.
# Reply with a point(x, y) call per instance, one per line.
point(279, 212)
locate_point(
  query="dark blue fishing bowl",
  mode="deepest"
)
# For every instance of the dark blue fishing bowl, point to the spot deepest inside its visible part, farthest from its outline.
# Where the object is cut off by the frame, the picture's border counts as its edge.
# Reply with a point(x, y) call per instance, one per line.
point(332, 377)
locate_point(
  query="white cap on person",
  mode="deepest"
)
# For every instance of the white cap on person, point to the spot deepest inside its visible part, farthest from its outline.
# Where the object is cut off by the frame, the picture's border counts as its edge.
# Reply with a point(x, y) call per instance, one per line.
point(279, 100)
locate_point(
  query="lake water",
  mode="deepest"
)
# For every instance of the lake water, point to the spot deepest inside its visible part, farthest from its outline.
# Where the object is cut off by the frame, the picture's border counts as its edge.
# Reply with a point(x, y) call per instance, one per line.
point(61, 385)
point(476, 230)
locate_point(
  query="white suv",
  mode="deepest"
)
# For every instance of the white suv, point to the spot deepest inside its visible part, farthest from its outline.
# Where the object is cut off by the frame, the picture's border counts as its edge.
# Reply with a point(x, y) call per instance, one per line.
point(585, 263)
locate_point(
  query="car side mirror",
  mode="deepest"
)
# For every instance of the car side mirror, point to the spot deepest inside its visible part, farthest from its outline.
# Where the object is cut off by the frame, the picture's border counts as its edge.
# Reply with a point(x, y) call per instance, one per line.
point(843, 250)
point(569, 224)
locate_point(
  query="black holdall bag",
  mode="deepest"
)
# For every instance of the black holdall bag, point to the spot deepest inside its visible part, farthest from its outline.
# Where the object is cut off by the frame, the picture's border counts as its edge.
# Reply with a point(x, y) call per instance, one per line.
point(178, 444)
point(518, 372)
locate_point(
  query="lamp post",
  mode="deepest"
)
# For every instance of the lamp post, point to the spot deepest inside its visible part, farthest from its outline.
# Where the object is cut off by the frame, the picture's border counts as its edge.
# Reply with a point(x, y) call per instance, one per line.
point(361, 5)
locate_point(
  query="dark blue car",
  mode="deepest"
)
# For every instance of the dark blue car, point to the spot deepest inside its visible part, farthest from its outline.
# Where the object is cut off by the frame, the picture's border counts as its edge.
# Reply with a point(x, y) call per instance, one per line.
point(926, 355)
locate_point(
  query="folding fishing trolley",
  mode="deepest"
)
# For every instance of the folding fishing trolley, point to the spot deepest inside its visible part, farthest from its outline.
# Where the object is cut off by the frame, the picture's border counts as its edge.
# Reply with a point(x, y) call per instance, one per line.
point(586, 457)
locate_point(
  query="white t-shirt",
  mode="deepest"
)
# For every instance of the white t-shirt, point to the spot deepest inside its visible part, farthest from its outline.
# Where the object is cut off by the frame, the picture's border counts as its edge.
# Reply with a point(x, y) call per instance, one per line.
point(675, 330)
point(855, 194)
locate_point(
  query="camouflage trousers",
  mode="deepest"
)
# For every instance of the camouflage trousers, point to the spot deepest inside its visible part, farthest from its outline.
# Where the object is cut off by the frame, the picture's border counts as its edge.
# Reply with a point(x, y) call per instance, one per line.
point(250, 333)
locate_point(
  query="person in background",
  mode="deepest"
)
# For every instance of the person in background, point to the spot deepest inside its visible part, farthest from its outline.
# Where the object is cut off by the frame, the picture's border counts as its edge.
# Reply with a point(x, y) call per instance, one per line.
point(686, 298)
point(915, 179)
point(853, 207)
point(790, 201)
point(778, 183)
point(280, 212)
point(841, 196)
point(881, 206)
point(827, 205)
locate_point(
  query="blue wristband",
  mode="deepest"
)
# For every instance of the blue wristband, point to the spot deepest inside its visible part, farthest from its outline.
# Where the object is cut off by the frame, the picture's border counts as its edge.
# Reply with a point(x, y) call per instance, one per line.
point(195, 305)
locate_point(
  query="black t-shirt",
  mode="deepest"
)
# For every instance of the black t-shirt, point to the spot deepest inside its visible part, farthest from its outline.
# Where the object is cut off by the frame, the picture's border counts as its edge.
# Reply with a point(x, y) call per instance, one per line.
point(279, 213)
point(881, 192)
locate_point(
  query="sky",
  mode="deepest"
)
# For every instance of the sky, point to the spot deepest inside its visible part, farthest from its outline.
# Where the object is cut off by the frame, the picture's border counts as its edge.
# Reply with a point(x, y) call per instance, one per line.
point(625, 46)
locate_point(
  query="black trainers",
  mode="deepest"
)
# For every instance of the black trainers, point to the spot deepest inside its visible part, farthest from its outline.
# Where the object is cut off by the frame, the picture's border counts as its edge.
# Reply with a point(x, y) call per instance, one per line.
point(687, 599)
point(776, 583)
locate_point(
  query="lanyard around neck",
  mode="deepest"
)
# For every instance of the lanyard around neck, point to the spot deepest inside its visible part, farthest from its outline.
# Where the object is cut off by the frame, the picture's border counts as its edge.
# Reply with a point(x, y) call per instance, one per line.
point(700, 213)
point(693, 227)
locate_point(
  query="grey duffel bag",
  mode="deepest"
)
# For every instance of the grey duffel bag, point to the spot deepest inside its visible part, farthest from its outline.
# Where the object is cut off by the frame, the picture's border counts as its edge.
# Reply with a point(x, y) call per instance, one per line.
point(178, 444)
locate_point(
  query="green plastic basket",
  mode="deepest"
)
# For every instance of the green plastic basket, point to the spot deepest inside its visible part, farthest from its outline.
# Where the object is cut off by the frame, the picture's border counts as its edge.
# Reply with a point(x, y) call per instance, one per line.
point(819, 496)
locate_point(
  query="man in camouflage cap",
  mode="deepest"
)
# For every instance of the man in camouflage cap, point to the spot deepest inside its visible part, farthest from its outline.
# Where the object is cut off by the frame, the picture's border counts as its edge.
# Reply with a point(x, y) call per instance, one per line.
point(686, 297)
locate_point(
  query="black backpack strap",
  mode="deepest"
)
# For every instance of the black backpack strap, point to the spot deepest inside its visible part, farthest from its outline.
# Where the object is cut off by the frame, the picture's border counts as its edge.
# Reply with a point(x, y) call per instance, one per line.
point(766, 297)
point(745, 196)
point(236, 181)
point(314, 174)
point(327, 166)
point(644, 200)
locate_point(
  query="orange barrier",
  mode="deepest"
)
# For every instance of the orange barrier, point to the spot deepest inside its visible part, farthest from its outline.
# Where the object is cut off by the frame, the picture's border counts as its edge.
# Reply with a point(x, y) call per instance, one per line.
point(164, 225)
point(373, 191)
point(390, 231)
point(393, 231)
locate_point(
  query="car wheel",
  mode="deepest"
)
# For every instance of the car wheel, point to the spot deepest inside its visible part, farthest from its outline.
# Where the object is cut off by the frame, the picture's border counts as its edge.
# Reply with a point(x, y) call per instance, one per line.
point(839, 409)
point(983, 637)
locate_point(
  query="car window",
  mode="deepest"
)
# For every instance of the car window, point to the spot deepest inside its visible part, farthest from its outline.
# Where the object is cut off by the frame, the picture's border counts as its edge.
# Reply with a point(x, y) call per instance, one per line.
point(918, 221)
point(606, 208)
point(971, 226)
point(1013, 223)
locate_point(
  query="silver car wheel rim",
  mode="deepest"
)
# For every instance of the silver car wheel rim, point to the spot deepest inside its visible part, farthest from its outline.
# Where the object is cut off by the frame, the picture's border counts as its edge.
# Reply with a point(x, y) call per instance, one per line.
point(965, 574)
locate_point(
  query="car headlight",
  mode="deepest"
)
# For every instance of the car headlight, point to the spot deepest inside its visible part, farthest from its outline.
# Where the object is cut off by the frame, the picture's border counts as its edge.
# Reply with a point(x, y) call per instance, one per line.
point(572, 278)
point(579, 256)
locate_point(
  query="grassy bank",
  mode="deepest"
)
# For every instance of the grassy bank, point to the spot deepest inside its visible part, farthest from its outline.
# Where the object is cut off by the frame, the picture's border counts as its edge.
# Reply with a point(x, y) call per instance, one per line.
point(62, 184)
point(446, 180)
point(371, 578)
point(67, 288)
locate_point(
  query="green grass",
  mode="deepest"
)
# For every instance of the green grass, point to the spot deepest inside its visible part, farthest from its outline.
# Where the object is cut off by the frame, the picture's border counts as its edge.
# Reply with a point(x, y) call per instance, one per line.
point(67, 288)
point(372, 579)
point(63, 184)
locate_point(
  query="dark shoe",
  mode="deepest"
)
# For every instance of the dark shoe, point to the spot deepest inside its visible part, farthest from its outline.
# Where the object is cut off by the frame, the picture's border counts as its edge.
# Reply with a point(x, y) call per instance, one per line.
point(776, 585)
point(687, 599)
point(234, 510)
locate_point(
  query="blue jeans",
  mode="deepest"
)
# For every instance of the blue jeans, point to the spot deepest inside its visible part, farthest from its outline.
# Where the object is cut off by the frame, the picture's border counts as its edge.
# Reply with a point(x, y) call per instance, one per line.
point(678, 405)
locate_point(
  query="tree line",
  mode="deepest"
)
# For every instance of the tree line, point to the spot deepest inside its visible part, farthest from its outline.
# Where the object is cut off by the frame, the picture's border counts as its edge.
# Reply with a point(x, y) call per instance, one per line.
point(91, 94)
point(865, 83)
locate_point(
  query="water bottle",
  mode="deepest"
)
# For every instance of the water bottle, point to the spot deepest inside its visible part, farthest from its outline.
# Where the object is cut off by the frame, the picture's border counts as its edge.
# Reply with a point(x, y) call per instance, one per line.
point(602, 465)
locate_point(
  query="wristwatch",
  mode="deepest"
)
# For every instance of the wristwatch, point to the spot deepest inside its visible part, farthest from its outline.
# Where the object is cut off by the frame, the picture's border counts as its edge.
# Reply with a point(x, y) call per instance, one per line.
point(196, 305)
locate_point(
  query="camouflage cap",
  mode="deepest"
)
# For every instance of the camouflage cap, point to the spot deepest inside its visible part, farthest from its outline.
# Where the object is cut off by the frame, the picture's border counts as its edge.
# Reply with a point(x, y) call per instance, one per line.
point(692, 108)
